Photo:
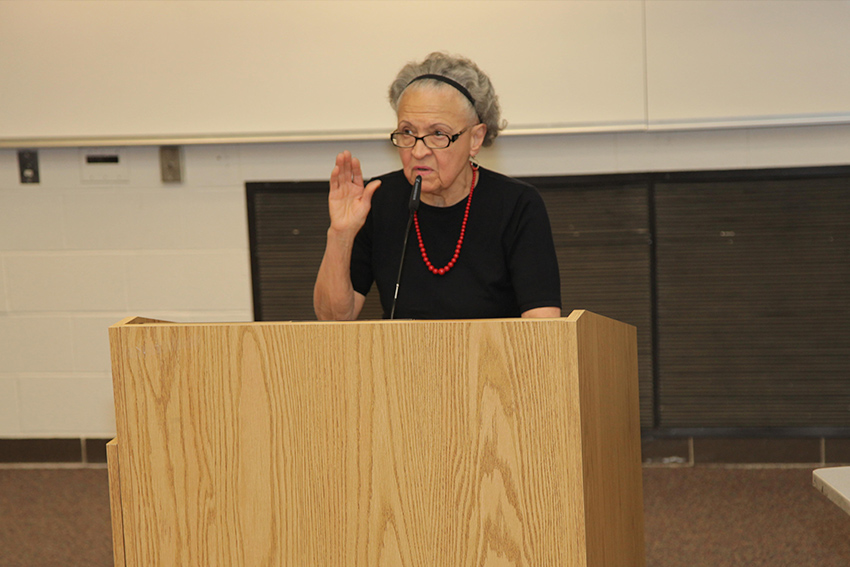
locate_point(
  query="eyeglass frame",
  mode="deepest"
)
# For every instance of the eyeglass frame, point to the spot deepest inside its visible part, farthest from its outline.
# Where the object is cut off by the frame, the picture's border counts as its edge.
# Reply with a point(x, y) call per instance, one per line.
point(452, 139)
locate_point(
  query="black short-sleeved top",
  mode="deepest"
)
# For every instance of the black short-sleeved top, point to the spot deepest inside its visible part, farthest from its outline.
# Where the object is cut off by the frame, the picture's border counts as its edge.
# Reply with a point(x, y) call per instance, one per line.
point(506, 266)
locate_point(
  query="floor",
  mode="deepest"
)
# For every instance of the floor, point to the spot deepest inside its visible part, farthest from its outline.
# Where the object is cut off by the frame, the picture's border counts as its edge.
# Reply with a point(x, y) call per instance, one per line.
point(695, 516)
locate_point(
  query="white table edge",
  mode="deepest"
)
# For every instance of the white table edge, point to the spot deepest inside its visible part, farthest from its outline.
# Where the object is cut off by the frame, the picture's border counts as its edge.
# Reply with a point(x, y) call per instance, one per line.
point(834, 483)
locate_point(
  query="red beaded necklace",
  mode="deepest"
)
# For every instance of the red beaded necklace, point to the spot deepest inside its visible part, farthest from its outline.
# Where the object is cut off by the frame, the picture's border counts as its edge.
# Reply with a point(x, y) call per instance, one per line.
point(442, 271)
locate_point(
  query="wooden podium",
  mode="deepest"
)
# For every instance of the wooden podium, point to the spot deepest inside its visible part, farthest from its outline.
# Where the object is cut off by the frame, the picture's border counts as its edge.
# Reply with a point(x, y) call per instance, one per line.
point(397, 443)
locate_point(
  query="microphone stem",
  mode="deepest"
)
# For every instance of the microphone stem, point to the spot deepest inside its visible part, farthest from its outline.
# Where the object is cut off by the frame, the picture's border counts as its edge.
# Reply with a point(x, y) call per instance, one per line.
point(401, 264)
point(412, 206)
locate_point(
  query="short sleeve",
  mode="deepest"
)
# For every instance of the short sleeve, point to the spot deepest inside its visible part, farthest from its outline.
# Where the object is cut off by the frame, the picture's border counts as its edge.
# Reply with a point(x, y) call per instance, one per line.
point(532, 260)
point(361, 259)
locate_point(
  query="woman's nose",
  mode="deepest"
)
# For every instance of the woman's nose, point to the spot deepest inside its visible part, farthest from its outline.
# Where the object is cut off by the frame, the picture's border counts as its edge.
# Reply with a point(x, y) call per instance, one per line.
point(420, 149)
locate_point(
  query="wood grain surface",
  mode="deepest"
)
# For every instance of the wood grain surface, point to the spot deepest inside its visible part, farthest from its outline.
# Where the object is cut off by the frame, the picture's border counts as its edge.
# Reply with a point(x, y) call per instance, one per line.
point(382, 443)
point(115, 507)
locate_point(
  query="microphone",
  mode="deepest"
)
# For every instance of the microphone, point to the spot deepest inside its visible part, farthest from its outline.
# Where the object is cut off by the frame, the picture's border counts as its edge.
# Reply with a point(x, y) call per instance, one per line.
point(412, 206)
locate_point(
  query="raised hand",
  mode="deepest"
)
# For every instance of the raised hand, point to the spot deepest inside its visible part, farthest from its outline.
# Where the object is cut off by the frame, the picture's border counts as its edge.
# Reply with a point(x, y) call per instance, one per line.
point(348, 200)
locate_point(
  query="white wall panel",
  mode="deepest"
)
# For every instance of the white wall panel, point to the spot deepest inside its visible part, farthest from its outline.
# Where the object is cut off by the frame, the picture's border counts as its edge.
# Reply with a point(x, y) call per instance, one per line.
point(149, 68)
point(714, 63)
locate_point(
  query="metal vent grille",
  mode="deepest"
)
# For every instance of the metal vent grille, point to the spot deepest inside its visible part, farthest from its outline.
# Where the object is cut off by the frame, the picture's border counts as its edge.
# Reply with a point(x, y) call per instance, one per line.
point(742, 304)
point(754, 303)
point(602, 237)
point(288, 225)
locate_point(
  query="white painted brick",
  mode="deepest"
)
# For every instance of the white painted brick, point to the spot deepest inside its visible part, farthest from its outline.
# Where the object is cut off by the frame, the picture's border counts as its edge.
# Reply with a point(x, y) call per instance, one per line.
point(212, 166)
point(179, 252)
point(58, 168)
point(634, 152)
point(9, 174)
point(314, 161)
point(67, 282)
point(10, 419)
point(36, 344)
point(204, 281)
point(214, 218)
point(222, 317)
point(67, 405)
point(4, 296)
point(30, 219)
point(551, 155)
point(187, 316)
point(156, 282)
point(91, 343)
point(683, 151)
point(123, 219)
point(804, 147)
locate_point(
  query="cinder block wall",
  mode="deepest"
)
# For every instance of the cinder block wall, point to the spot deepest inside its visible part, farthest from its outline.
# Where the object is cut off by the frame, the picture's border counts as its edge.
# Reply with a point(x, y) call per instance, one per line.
point(77, 255)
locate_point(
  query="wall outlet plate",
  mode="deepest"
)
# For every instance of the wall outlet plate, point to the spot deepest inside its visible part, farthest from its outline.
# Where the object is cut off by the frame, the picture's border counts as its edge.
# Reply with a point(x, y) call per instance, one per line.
point(28, 166)
point(104, 165)
point(170, 164)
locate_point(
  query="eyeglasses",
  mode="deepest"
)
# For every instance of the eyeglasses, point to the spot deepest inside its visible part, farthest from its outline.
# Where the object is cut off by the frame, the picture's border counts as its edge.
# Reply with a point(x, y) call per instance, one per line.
point(436, 141)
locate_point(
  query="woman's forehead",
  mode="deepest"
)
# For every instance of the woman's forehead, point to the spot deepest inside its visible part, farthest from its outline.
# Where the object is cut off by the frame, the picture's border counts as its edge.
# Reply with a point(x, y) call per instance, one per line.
point(433, 104)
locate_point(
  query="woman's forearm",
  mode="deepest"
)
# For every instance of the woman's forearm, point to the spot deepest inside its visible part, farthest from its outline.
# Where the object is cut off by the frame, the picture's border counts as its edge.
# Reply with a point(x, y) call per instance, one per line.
point(333, 295)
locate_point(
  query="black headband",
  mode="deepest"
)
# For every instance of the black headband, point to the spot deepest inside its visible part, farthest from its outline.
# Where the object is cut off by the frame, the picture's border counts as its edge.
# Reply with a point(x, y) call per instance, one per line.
point(448, 81)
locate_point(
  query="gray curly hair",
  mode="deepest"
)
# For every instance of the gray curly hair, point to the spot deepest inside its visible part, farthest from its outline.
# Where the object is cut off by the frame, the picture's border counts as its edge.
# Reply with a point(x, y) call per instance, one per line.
point(463, 71)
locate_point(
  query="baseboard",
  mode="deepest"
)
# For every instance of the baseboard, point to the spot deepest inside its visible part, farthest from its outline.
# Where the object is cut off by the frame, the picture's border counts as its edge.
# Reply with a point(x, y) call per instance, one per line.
point(743, 450)
point(73, 450)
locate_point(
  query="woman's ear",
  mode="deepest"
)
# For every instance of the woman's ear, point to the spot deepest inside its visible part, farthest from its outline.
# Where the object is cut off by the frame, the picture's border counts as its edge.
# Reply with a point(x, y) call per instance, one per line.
point(478, 133)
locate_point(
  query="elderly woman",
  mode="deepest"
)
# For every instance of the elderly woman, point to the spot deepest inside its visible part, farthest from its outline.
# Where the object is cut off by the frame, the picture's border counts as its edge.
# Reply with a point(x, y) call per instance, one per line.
point(481, 244)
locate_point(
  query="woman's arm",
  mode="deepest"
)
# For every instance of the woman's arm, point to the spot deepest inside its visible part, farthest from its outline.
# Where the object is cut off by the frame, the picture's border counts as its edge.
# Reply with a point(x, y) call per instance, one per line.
point(543, 312)
point(349, 202)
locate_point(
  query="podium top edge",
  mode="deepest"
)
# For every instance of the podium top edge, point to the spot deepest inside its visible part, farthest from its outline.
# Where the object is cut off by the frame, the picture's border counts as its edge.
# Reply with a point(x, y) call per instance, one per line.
point(132, 321)
point(144, 321)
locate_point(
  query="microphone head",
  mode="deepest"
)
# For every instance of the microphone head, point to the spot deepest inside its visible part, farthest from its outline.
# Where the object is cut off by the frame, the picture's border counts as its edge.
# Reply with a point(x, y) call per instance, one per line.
point(415, 194)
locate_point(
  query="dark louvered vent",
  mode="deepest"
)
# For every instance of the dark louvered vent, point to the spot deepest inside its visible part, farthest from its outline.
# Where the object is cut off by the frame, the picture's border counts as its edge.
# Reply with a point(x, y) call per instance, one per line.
point(288, 224)
point(754, 303)
point(602, 236)
point(749, 281)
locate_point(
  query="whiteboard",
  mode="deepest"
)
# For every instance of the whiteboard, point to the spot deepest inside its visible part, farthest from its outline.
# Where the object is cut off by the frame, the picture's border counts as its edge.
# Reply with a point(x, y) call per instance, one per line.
point(112, 72)
point(748, 62)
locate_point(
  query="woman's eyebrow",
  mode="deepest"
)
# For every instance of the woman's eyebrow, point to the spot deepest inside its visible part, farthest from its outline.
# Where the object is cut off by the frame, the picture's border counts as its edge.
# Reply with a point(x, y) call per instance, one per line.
point(435, 126)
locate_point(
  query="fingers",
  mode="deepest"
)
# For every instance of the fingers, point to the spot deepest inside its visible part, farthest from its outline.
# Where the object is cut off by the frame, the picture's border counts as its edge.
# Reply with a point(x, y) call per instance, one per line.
point(347, 172)
point(335, 177)
point(370, 190)
point(356, 172)
point(341, 173)
point(345, 168)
